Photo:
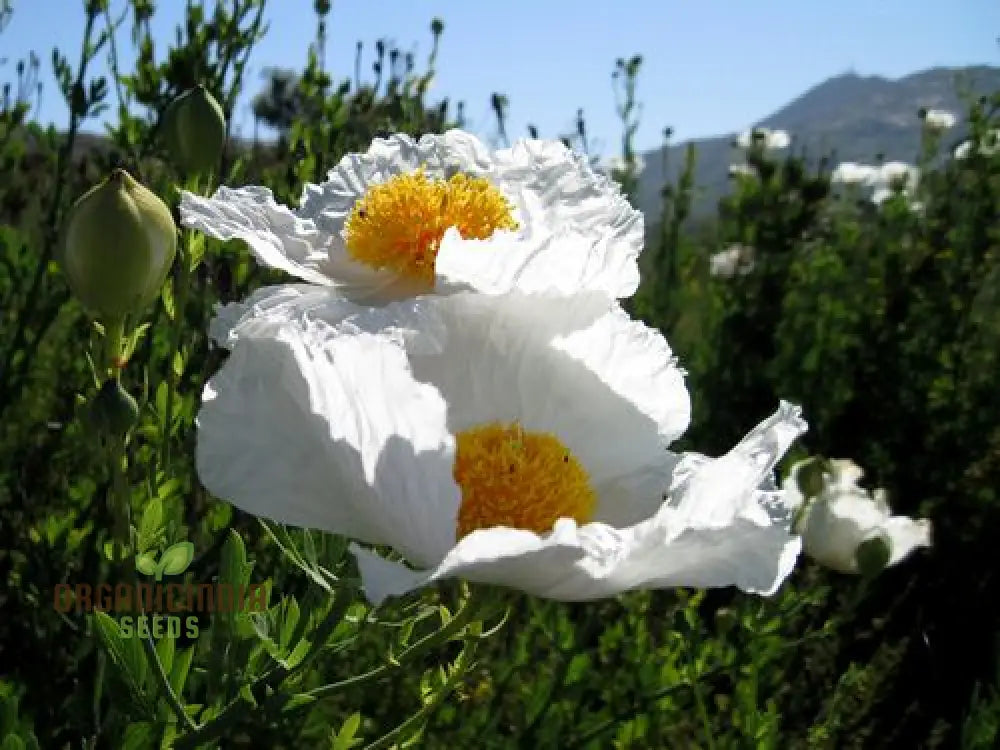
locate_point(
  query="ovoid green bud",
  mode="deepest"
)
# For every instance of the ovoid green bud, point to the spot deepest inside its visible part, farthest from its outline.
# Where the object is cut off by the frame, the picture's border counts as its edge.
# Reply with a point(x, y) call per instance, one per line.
point(120, 243)
point(113, 411)
point(872, 555)
point(194, 131)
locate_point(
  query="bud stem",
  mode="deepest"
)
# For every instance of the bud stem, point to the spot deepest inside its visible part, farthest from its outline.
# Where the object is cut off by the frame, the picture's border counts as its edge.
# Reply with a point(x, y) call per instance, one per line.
point(114, 334)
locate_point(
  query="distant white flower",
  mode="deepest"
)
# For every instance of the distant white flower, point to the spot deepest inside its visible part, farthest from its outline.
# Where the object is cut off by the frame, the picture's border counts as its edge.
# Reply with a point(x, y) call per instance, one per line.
point(617, 165)
point(962, 150)
point(769, 140)
point(897, 173)
point(374, 231)
point(736, 259)
point(742, 170)
point(844, 520)
point(516, 440)
point(939, 119)
point(880, 195)
point(851, 173)
point(988, 146)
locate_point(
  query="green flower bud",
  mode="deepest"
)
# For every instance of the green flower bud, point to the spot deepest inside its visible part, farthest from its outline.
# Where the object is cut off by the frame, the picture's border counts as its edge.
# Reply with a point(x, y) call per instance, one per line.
point(120, 243)
point(194, 131)
point(113, 411)
point(873, 555)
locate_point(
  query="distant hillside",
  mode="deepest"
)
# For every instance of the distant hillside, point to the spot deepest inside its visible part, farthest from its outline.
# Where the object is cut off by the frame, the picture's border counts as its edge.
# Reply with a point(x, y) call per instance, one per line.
point(851, 116)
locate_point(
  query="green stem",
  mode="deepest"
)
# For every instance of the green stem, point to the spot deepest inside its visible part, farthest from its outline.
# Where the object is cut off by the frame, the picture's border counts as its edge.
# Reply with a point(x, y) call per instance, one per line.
point(168, 691)
point(454, 626)
point(114, 334)
point(180, 304)
point(461, 667)
point(215, 728)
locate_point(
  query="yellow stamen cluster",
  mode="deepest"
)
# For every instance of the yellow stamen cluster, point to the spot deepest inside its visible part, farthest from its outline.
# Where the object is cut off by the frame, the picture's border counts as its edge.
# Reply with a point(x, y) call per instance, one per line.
point(524, 480)
point(398, 224)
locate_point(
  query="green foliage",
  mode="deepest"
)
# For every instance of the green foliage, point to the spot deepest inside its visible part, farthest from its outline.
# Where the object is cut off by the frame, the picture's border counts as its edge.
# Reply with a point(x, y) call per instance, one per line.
point(883, 322)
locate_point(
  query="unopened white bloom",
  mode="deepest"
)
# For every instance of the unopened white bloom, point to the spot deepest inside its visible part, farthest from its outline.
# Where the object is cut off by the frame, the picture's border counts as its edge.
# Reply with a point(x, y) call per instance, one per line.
point(844, 516)
point(851, 173)
point(519, 440)
point(373, 232)
point(736, 259)
point(939, 119)
point(769, 140)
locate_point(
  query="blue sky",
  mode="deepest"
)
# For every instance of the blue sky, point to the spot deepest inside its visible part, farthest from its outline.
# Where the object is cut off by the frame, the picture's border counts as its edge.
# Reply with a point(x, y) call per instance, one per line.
point(709, 66)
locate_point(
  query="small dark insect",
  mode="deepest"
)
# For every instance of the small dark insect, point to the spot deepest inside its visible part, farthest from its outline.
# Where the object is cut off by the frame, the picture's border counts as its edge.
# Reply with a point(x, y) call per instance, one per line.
point(565, 459)
point(362, 214)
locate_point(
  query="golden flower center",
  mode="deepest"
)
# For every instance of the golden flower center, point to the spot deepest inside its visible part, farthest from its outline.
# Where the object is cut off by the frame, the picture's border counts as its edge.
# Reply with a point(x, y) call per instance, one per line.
point(519, 479)
point(398, 224)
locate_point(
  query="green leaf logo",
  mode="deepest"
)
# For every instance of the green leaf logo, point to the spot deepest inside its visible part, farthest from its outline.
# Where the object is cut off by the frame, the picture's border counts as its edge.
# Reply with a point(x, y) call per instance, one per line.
point(174, 561)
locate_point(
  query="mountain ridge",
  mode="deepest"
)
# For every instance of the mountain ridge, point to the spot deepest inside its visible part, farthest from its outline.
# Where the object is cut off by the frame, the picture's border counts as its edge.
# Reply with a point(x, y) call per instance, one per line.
point(850, 116)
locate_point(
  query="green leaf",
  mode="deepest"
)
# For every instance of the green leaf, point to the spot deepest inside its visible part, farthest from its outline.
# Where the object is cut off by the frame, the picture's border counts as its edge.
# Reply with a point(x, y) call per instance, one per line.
point(300, 699)
point(165, 650)
point(346, 738)
point(178, 364)
point(151, 525)
point(234, 569)
point(176, 558)
point(139, 736)
point(126, 653)
point(179, 672)
point(12, 742)
point(167, 293)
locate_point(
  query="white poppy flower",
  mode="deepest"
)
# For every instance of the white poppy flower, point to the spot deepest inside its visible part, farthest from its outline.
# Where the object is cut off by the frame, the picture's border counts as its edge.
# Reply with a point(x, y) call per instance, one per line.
point(939, 119)
point(742, 170)
point(769, 140)
point(374, 229)
point(517, 440)
point(894, 173)
point(736, 259)
point(851, 173)
point(844, 516)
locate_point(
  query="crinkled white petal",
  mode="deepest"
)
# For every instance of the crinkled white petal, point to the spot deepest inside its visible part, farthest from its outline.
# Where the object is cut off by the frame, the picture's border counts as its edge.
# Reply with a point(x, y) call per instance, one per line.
point(330, 433)
point(550, 188)
point(566, 262)
point(742, 541)
point(906, 536)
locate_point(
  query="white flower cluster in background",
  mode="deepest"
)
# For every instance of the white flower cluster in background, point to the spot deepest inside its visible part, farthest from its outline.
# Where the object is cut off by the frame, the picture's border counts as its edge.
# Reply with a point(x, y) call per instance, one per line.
point(883, 181)
point(764, 138)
